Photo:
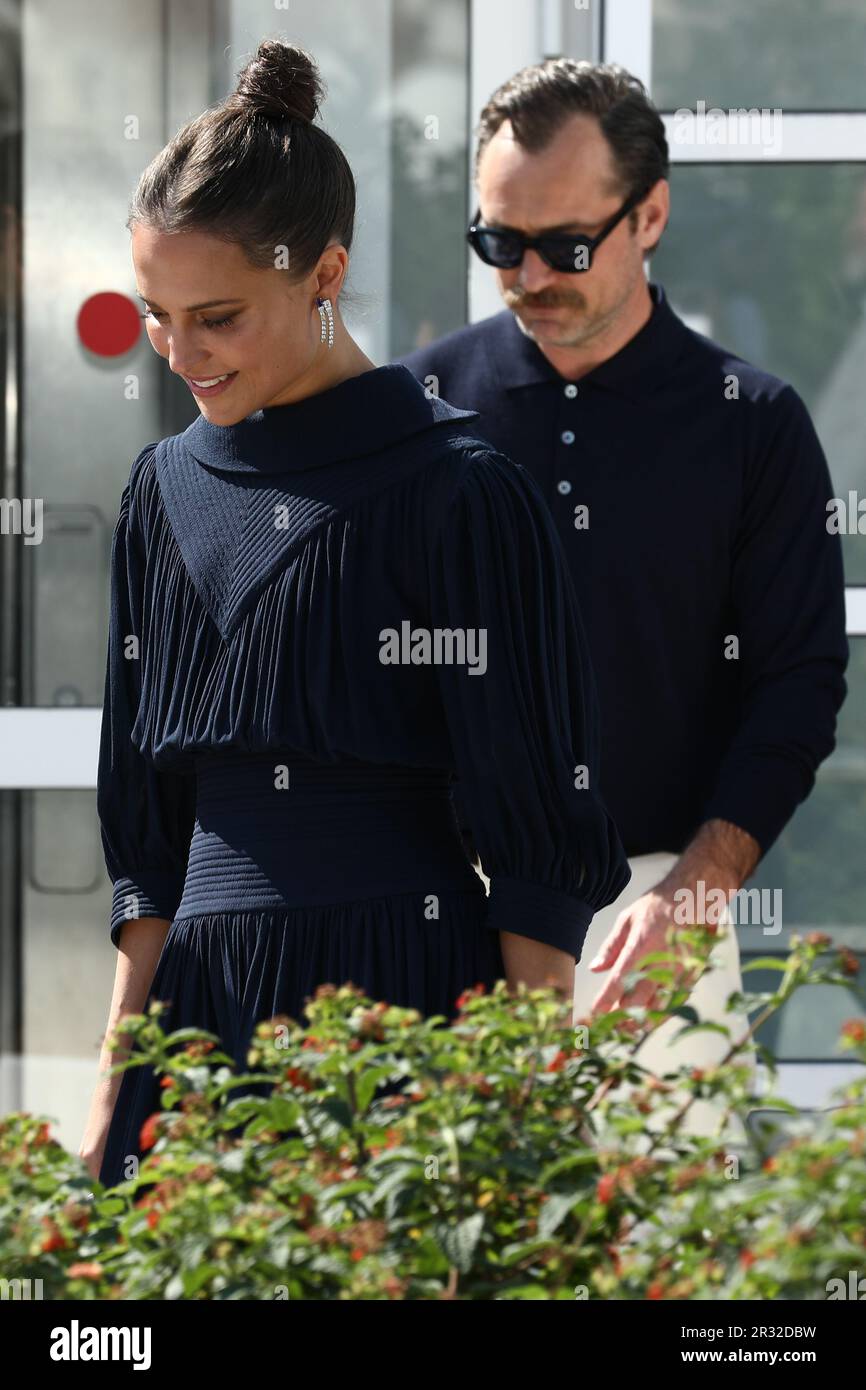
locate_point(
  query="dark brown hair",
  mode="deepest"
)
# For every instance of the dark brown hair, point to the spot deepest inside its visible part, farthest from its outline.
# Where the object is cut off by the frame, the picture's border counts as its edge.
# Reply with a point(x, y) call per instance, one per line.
point(539, 99)
point(255, 170)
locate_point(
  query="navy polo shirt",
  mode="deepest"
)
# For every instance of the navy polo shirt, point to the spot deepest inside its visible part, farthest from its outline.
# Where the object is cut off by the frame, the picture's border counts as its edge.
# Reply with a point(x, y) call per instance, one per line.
point(689, 490)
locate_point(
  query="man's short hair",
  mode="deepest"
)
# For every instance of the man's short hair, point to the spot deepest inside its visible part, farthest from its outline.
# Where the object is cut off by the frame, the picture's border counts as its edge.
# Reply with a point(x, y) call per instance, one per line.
point(540, 98)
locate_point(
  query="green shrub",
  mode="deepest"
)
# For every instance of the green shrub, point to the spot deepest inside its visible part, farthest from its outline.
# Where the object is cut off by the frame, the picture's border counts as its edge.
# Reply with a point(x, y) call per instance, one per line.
point(507, 1155)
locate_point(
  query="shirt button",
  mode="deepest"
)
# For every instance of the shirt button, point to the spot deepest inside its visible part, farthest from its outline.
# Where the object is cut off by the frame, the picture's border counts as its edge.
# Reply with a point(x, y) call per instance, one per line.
point(571, 390)
point(567, 436)
point(564, 486)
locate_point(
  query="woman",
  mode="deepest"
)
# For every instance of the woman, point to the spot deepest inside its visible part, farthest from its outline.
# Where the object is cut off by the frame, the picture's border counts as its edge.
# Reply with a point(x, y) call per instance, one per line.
point(328, 598)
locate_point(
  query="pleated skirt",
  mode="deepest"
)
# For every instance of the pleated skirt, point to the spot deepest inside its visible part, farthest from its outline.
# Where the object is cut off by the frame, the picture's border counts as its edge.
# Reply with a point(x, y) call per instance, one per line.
point(302, 874)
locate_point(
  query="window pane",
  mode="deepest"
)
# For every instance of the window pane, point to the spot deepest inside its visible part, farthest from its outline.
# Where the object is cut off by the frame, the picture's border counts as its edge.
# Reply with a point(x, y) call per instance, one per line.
point(795, 54)
point(771, 262)
point(817, 862)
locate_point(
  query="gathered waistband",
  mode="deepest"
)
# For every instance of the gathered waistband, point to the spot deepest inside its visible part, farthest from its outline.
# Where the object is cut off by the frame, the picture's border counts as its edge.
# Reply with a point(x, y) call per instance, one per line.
point(280, 829)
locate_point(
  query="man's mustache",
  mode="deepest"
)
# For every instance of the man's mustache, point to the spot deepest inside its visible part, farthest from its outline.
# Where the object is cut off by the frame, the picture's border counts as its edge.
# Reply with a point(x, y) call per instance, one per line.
point(514, 299)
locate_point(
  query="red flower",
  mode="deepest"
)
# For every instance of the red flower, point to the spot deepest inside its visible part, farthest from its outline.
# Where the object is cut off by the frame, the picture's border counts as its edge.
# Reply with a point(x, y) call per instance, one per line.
point(299, 1078)
point(152, 1219)
point(558, 1062)
point(148, 1136)
point(43, 1135)
point(473, 993)
point(855, 1029)
point(747, 1258)
point(357, 1254)
point(166, 1082)
point(848, 962)
point(656, 1289)
point(818, 938)
point(53, 1240)
point(606, 1188)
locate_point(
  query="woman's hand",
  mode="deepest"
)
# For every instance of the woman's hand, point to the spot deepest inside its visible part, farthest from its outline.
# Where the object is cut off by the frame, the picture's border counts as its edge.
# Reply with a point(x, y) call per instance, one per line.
point(92, 1146)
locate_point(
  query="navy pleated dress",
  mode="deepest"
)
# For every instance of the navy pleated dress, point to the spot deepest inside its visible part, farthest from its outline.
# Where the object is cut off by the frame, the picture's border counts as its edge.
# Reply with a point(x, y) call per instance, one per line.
point(321, 617)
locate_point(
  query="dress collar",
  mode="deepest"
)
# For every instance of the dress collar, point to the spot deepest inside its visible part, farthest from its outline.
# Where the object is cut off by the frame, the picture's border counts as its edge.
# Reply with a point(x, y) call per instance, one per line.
point(363, 415)
point(518, 361)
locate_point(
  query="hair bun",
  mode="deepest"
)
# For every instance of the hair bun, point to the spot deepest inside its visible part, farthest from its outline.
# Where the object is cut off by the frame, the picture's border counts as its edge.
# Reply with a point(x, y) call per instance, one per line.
point(281, 81)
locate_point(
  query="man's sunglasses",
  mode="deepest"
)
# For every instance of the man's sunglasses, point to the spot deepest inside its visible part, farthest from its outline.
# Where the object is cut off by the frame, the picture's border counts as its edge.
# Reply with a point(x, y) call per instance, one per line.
point(505, 247)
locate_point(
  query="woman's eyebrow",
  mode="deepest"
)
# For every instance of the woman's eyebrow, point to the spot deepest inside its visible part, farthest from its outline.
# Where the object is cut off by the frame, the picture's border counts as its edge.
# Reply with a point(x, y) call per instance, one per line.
point(191, 308)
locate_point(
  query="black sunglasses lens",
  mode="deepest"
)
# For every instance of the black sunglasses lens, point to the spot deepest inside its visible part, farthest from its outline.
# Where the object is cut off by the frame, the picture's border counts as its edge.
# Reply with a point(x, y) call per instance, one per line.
point(566, 253)
point(497, 248)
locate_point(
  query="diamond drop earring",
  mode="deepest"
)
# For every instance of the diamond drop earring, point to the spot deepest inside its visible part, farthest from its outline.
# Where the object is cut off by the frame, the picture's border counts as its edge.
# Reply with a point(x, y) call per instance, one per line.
point(326, 314)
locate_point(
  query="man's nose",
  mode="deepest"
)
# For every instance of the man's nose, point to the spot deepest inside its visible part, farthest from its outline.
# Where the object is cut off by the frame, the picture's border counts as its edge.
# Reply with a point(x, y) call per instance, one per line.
point(533, 275)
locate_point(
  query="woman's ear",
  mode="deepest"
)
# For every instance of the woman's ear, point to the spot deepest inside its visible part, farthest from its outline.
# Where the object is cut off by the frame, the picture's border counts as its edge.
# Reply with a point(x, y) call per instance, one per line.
point(331, 272)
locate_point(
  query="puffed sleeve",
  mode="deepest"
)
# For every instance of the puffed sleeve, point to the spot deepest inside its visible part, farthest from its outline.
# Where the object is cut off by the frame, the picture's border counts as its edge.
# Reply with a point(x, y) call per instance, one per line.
point(524, 723)
point(146, 815)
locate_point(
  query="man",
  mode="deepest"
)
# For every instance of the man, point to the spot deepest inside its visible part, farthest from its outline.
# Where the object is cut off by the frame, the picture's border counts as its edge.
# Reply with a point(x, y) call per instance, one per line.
point(689, 489)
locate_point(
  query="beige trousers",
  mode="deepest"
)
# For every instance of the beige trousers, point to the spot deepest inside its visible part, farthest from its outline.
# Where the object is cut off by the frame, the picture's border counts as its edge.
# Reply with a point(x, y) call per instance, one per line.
point(659, 1053)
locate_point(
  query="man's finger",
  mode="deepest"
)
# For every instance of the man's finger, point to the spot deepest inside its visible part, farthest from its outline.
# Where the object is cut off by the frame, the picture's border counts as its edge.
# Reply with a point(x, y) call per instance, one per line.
point(612, 944)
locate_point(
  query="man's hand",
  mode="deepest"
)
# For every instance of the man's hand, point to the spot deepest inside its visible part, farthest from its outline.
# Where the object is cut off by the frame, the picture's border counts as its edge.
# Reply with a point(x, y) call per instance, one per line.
point(721, 856)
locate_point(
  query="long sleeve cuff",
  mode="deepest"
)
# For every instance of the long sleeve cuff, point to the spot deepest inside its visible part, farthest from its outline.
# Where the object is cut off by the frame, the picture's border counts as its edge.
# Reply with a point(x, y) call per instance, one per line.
point(540, 912)
point(760, 796)
point(154, 893)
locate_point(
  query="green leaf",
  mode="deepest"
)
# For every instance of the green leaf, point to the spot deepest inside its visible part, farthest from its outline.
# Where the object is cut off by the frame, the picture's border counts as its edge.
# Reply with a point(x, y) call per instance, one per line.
point(587, 1158)
point(458, 1243)
point(512, 1254)
point(687, 1012)
point(554, 1212)
point(337, 1110)
point(196, 1278)
point(765, 963)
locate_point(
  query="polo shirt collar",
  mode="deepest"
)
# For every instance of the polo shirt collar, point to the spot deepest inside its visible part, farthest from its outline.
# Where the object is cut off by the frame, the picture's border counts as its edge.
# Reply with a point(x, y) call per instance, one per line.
point(362, 415)
point(518, 361)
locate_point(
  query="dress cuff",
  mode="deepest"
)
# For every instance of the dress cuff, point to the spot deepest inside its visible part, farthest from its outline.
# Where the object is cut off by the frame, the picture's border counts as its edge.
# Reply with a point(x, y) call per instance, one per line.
point(540, 912)
point(154, 893)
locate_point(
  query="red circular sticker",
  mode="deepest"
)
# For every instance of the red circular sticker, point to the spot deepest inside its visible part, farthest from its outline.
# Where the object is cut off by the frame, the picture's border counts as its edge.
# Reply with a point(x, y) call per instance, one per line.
point(108, 323)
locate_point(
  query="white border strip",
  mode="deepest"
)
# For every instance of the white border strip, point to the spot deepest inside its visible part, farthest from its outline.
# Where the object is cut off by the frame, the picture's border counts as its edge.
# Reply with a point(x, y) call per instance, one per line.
point(49, 747)
point(855, 611)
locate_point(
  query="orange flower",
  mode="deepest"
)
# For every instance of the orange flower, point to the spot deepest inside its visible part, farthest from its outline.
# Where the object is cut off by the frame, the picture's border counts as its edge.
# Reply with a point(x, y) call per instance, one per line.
point(85, 1270)
point(855, 1029)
